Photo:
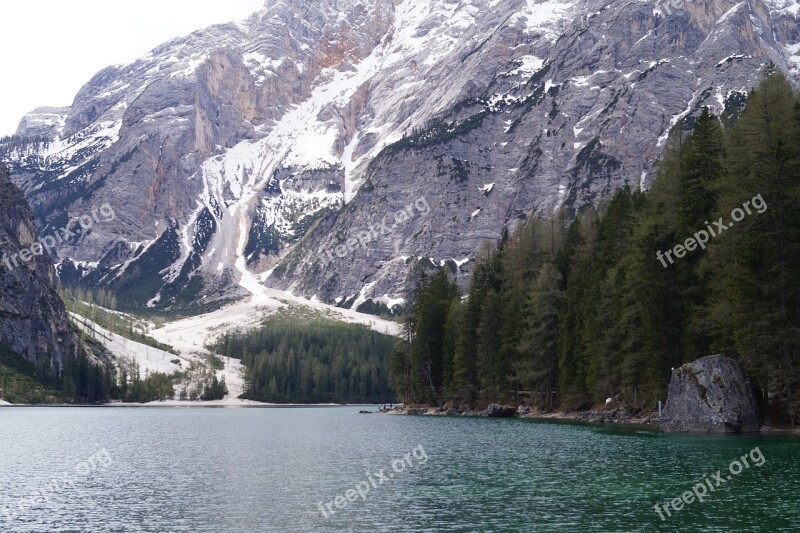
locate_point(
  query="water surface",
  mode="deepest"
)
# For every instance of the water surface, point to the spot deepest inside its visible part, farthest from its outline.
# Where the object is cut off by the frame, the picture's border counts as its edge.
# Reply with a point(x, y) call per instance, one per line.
point(267, 469)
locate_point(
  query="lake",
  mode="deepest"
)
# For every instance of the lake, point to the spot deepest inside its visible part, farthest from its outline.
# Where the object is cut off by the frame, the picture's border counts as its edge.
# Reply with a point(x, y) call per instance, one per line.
point(66, 469)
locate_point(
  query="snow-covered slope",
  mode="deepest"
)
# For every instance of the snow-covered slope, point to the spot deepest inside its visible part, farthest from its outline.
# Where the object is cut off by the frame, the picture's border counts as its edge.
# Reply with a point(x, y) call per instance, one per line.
point(130, 353)
point(190, 337)
point(131, 357)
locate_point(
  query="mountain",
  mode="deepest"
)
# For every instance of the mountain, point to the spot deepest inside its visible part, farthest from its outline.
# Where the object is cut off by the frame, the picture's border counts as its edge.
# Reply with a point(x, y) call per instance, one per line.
point(42, 359)
point(333, 150)
point(33, 321)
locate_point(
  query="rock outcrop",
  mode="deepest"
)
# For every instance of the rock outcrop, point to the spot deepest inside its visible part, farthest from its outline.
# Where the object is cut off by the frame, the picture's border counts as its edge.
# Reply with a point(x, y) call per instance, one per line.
point(710, 395)
point(33, 321)
point(500, 411)
point(44, 123)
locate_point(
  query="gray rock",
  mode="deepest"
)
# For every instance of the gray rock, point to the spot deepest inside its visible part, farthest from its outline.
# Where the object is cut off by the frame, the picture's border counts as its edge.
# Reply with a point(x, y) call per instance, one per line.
point(45, 122)
point(710, 395)
point(500, 411)
point(33, 321)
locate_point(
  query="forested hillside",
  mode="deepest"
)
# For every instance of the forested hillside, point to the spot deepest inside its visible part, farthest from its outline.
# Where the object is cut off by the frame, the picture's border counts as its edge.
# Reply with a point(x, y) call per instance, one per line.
point(318, 361)
point(80, 381)
point(566, 314)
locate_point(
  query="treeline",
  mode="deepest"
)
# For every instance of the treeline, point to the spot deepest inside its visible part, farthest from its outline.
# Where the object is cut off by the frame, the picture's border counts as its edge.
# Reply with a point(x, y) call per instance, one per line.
point(81, 379)
point(319, 361)
point(572, 310)
point(92, 296)
point(196, 384)
point(155, 386)
point(78, 379)
point(200, 382)
point(14, 143)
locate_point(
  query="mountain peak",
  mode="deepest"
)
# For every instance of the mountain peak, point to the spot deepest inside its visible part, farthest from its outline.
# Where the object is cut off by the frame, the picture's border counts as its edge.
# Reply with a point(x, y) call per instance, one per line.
point(255, 150)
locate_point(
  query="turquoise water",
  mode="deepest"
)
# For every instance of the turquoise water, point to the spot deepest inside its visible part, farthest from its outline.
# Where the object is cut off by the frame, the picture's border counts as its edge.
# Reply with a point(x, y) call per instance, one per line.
point(267, 469)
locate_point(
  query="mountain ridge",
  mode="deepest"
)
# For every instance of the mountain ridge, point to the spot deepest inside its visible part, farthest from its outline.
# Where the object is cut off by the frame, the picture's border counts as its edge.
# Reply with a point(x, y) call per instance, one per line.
point(253, 149)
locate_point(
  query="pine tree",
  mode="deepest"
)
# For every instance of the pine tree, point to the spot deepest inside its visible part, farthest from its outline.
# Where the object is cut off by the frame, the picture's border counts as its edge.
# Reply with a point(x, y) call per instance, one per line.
point(753, 265)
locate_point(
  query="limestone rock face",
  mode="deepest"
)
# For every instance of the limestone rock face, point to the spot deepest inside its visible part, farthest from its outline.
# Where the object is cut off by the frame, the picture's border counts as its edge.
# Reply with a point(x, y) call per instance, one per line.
point(710, 395)
point(44, 122)
point(33, 321)
point(260, 146)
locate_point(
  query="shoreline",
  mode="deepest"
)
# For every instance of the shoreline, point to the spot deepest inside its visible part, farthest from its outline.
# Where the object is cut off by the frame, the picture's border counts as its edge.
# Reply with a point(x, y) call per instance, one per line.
point(611, 416)
point(190, 404)
point(617, 416)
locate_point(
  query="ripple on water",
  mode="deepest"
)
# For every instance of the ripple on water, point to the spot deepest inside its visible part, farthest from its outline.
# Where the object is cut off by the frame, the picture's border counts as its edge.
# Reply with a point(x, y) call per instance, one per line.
point(263, 470)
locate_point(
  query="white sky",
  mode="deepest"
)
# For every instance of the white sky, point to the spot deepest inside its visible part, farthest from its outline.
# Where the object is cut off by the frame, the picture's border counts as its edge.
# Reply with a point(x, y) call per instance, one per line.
point(50, 48)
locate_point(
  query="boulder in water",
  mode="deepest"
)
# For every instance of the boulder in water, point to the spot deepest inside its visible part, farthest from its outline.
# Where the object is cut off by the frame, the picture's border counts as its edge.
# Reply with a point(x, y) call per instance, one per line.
point(710, 395)
point(500, 411)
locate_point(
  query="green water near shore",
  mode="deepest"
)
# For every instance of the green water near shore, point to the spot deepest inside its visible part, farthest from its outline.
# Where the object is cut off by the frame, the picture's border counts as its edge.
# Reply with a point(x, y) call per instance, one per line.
point(263, 469)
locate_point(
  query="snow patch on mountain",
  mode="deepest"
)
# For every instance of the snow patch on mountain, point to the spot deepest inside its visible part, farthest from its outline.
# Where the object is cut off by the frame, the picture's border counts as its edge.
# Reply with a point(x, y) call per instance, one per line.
point(528, 65)
point(545, 17)
point(794, 57)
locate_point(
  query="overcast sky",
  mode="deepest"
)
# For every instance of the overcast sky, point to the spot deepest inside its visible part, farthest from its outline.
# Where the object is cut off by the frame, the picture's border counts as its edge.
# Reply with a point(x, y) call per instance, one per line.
point(50, 48)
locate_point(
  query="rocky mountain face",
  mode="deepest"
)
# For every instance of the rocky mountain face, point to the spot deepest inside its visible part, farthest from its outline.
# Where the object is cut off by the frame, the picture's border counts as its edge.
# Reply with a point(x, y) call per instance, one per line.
point(334, 149)
point(33, 321)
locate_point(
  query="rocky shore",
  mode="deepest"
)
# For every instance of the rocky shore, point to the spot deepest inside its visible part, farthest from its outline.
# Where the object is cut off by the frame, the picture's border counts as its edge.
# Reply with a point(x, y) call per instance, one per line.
point(616, 415)
point(709, 395)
